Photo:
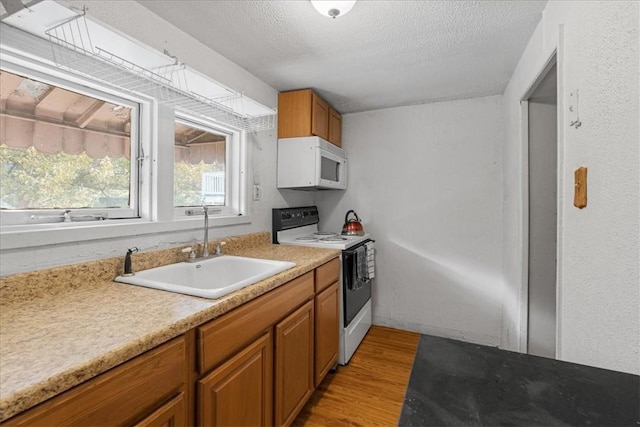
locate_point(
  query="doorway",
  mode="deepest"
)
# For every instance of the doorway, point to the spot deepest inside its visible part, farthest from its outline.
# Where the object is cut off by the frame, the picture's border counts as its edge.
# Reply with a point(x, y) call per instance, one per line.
point(543, 215)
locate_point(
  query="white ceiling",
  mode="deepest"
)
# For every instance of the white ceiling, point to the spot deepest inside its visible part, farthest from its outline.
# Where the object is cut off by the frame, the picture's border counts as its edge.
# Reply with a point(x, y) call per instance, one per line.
point(383, 53)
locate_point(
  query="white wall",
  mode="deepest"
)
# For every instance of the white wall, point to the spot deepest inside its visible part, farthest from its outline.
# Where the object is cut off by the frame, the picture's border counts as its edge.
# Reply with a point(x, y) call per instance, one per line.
point(138, 22)
point(427, 182)
point(598, 254)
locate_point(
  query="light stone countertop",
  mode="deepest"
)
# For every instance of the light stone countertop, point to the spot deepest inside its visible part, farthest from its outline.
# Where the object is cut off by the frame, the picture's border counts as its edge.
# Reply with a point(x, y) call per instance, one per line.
point(63, 326)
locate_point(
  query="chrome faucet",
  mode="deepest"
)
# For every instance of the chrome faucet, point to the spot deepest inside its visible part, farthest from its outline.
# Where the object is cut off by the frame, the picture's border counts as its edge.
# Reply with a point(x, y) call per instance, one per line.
point(205, 248)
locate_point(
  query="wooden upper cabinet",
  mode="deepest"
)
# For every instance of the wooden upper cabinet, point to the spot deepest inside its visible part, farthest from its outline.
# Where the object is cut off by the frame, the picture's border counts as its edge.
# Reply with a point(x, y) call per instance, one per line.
point(294, 113)
point(304, 113)
point(319, 117)
point(335, 127)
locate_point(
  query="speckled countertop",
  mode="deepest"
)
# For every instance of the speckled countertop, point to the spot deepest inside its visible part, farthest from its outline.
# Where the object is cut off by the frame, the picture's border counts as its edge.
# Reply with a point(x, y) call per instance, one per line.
point(63, 326)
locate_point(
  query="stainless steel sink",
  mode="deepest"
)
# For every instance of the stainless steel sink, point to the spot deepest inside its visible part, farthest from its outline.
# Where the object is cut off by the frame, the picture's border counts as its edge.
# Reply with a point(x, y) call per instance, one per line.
point(212, 278)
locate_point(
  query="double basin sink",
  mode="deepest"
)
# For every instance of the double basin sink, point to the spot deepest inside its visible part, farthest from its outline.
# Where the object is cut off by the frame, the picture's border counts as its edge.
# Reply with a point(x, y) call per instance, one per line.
point(211, 278)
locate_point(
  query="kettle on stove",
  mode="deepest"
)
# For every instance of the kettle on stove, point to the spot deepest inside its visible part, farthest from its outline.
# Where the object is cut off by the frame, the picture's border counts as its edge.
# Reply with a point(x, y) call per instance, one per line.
point(352, 227)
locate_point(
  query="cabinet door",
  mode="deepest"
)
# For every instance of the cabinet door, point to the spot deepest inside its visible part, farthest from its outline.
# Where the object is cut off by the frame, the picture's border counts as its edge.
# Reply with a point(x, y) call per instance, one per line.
point(171, 414)
point(239, 392)
point(335, 127)
point(119, 396)
point(326, 339)
point(294, 113)
point(319, 117)
point(294, 364)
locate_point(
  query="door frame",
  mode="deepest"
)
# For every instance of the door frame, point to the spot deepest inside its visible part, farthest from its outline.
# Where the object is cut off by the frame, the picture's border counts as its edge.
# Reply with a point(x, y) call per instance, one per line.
point(554, 58)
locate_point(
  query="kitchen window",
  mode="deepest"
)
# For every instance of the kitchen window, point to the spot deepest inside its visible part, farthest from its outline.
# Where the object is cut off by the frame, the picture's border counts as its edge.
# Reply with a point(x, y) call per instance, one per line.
point(207, 168)
point(128, 139)
point(65, 151)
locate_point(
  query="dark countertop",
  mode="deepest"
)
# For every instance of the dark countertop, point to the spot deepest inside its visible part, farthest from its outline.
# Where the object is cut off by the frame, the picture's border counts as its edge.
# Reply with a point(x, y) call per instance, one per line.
point(454, 383)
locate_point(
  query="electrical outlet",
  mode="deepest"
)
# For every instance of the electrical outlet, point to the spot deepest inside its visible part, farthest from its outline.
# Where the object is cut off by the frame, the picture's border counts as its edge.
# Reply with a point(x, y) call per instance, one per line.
point(256, 192)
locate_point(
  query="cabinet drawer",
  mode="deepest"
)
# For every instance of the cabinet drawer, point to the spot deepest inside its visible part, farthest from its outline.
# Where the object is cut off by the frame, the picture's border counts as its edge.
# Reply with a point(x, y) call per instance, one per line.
point(327, 274)
point(222, 337)
point(119, 396)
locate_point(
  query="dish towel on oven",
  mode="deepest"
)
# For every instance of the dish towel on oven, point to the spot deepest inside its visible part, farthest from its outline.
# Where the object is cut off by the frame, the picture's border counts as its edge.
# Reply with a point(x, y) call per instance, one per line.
point(371, 260)
point(362, 269)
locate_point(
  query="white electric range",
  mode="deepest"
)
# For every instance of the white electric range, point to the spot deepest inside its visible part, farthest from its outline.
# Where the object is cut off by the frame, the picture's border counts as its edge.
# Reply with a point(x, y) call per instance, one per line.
point(299, 227)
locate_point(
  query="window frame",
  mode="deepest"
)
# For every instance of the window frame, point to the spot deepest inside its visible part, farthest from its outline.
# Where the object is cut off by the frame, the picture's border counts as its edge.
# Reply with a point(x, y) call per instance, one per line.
point(46, 218)
point(235, 166)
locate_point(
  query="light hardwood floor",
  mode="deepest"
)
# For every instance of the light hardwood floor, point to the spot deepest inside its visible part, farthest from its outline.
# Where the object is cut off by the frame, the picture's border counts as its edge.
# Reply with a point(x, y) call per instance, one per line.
point(369, 391)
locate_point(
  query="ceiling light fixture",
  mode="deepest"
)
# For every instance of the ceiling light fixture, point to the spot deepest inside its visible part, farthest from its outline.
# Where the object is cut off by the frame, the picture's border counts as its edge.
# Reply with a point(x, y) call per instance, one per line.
point(333, 8)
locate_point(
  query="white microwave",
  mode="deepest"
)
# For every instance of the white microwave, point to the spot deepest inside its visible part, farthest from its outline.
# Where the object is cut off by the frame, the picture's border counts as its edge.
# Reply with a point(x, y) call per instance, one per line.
point(311, 163)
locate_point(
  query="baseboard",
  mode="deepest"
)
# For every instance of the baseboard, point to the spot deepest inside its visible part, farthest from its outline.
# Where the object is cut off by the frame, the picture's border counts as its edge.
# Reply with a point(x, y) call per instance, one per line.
point(493, 341)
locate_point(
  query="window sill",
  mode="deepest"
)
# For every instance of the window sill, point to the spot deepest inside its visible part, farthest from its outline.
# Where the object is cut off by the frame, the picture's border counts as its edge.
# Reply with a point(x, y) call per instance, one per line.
point(29, 236)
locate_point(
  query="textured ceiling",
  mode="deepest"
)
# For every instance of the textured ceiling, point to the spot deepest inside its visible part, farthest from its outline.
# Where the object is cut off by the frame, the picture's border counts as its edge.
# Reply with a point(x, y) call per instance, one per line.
point(381, 54)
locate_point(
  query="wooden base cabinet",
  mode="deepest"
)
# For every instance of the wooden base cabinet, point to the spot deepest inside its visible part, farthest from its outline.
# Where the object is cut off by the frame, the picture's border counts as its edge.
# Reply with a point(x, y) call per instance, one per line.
point(294, 364)
point(256, 365)
point(242, 351)
point(239, 393)
point(148, 390)
point(326, 332)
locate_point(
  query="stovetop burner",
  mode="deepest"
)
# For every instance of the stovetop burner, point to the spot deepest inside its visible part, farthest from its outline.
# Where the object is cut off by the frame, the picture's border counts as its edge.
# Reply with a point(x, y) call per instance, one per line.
point(318, 237)
point(324, 234)
point(334, 238)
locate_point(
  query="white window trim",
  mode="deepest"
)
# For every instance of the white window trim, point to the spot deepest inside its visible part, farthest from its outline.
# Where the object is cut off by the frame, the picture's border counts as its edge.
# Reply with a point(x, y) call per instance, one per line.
point(236, 165)
point(155, 210)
